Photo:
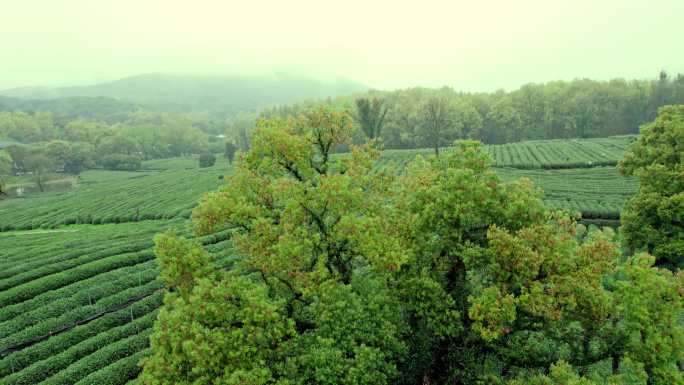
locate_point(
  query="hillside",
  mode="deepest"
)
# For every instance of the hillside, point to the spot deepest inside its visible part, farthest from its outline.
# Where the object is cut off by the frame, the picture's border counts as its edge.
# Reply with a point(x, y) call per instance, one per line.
point(78, 288)
point(66, 109)
point(217, 95)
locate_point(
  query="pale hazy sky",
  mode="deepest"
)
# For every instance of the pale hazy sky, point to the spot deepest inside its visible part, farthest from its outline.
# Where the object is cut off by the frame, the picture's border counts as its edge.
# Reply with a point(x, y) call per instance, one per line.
point(469, 45)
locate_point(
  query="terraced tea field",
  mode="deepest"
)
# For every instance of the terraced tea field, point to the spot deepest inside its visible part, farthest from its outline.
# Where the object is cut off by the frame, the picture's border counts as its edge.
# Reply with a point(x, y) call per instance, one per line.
point(78, 288)
point(597, 193)
point(78, 303)
point(561, 153)
point(541, 154)
point(113, 197)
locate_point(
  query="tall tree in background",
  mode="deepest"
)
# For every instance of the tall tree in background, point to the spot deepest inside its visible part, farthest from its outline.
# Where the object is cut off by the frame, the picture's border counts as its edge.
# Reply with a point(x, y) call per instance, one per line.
point(654, 218)
point(5, 170)
point(81, 157)
point(505, 123)
point(470, 120)
point(59, 151)
point(19, 154)
point(661, 94)
point(370, 113)
point(229, 151)
point(39, 165)
point(438, 123)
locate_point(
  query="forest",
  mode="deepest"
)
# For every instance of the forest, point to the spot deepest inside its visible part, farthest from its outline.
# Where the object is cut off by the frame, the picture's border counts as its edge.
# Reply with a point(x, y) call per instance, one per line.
point(581, 108)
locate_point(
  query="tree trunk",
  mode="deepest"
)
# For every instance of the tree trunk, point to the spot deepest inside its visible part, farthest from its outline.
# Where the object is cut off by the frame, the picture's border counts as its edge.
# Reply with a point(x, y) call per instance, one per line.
point(39, 182)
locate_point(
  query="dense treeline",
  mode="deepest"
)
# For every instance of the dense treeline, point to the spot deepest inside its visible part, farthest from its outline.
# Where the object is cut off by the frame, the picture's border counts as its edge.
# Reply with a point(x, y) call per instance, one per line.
point(582, 108)
point(38, 143)
point(653, 219)
point(65, 109)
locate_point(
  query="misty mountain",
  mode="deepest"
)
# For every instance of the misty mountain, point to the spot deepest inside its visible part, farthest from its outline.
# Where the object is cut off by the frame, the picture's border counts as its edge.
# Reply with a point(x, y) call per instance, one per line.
point(68, 108)
point(217, 95)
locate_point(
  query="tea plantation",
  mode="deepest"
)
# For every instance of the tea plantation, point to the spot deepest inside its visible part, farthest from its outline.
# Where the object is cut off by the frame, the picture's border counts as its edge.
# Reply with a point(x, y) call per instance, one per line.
point(113, 197)
point(78, 288)
point(541, 154)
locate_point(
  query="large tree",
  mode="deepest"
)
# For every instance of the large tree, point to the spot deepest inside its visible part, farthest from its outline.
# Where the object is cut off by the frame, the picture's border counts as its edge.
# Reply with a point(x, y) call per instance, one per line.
point(81, 157)
point(71, 157)
point(40, 166)
point(439, 125)
point(370, 113)
point(351, 273)
point(307, 226)
point(5, 170)
point(229, 151)
point(653, 219)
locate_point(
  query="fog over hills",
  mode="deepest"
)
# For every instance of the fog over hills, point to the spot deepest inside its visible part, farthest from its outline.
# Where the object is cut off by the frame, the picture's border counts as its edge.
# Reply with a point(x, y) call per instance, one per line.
point(218, 95)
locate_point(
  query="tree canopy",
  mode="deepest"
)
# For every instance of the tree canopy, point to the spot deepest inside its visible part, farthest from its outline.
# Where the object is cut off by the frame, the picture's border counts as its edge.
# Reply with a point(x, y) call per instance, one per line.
point(5, 169)
point(350, 273)
point(580, 108)
point(653, 220)
point(370, 113)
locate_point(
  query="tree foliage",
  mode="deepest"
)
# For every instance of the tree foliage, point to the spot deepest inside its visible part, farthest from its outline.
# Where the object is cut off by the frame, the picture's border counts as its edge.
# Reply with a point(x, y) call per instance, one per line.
point(145, 134)
point(306, 227)
point(355, 274)
point(653, 220)
point(229, 151)
point(370, 113)
point(581, 108)
point(39, 166)
point(121, 162)
point(70, 157)
point(207, 160)
point(438, 123)
point(5, 169)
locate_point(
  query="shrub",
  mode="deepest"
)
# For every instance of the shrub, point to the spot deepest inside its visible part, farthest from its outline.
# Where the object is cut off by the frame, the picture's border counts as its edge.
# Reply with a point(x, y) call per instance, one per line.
point(207, 160)
point(121, 162)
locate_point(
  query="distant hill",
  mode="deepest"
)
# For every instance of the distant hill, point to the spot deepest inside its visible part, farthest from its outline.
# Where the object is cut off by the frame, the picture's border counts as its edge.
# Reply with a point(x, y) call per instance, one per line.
point(67, 108)
point(217, 95)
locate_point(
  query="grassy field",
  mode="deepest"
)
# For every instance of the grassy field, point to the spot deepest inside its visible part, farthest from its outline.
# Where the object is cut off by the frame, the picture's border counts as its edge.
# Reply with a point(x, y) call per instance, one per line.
point(78, 288)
